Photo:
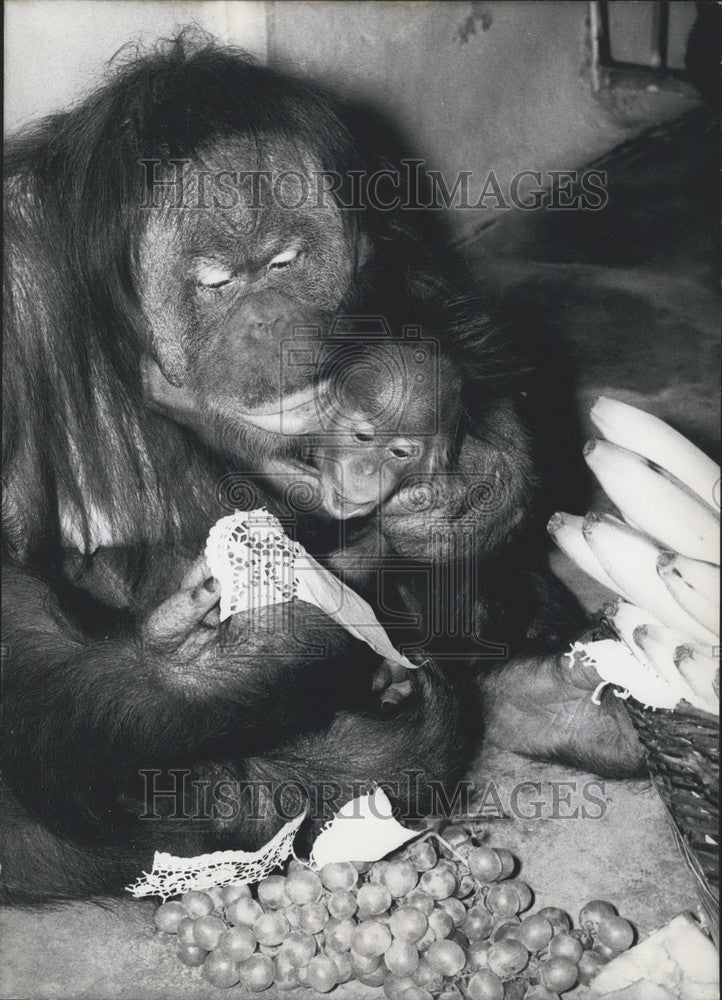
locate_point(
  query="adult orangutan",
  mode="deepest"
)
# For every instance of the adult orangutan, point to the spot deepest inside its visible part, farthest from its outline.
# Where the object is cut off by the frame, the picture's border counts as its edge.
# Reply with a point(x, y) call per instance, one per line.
point(170, 243)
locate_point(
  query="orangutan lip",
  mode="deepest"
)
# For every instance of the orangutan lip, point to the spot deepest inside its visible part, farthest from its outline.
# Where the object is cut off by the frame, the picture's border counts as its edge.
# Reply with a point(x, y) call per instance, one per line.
point(352, 507)
point(298, 412)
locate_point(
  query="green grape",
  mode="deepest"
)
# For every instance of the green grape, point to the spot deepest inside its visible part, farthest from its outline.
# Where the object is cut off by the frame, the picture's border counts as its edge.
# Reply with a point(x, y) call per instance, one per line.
point(292, 914)
point(257, 972)
point(362, 867)
point(559, 974)
point(478, 923)
point(446, 957)
point(485, 864)
point(589, 965)
point(478, 955)
point(441, 924)
point(244, 911)
point(272, 892)
point(593, 913)
point(399, 877)
point(321, 974)
point(396, 986)
point(557, 918)
point(416, 993)
point(338, 934)
point(339, 876)
point(422, 856)
point(363, 964)
point(238, 943)
point(420, 900)
point(343, 964)
point(454, 835)
point(271, 928)
point(285, 974)
point(565, 946)
point(220, 970)
point(515, 989)
point(426, 940)
point(376, 978)
point(313, 917)
point(508, 930)
point(191, 955)
point(371, 938)
point(230, 893)
point(342, 904)
point(507, 862)
point(536, 932)
point(455, 908)
point(524, 893)
point(484, 985)
point(299, 947)
point(540, 992)
point(615, 933)
point(373, 900)
point(216, 894)
point(168, 917)
point(401, 958)
point(440, 882)
point(208, 931)
point(584, 937)
point(427, 977)
point(408, 924)
point(465, 886)
point(507, 958)
point(185, 931)
point(605, 952)
point(303, 886)
point(503, 900)
point(198, 904)
point(376, 871)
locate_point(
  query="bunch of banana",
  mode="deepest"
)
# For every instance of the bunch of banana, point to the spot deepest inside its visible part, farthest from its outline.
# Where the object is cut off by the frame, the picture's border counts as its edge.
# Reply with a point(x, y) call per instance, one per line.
point(662, 559)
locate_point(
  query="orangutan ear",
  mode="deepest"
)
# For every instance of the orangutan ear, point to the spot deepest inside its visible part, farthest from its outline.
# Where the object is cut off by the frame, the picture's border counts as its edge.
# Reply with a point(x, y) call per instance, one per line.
point(170, 358)
point(162, 394)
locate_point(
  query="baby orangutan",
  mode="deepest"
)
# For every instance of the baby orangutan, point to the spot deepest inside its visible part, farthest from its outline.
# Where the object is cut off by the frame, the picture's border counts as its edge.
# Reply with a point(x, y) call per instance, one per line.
point(388, 413)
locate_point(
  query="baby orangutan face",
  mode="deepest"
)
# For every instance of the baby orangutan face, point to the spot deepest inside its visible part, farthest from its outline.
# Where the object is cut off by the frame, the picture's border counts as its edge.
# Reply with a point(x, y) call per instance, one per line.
point(388, 414)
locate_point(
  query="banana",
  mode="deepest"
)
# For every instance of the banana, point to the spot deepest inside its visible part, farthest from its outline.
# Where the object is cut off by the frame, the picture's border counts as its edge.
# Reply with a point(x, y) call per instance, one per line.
point(654, 502)
point(630, 559)
point(626, 617)
point(655, 440)
point(697, 604)
point(702, 675)
point(659, 645)
point(566, 530)
point(703, 577)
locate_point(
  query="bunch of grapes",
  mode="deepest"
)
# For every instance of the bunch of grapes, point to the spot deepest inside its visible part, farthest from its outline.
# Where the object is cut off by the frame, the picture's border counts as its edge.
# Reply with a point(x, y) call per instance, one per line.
point(444, 921)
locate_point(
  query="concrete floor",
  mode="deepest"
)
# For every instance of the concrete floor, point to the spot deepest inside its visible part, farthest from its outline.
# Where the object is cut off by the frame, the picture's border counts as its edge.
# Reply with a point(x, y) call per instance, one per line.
point(631, 294)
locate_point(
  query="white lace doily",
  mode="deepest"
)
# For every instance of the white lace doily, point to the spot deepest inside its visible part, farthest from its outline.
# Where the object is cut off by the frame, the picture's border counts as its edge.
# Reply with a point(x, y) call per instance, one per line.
point(253, 559)
point(257, 564)
point(171, 875)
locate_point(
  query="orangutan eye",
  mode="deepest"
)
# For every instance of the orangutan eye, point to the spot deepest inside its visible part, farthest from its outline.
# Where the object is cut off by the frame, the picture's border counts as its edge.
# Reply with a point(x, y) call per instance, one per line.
point(283, 259)
point(213, 276)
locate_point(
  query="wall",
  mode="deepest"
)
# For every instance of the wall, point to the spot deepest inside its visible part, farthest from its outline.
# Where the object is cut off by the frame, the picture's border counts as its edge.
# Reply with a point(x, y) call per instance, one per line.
point(473, 86)
point(56, 50)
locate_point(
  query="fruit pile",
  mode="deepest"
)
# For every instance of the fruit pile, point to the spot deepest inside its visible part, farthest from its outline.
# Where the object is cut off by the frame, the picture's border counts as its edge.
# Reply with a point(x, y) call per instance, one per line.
point(443, 919)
